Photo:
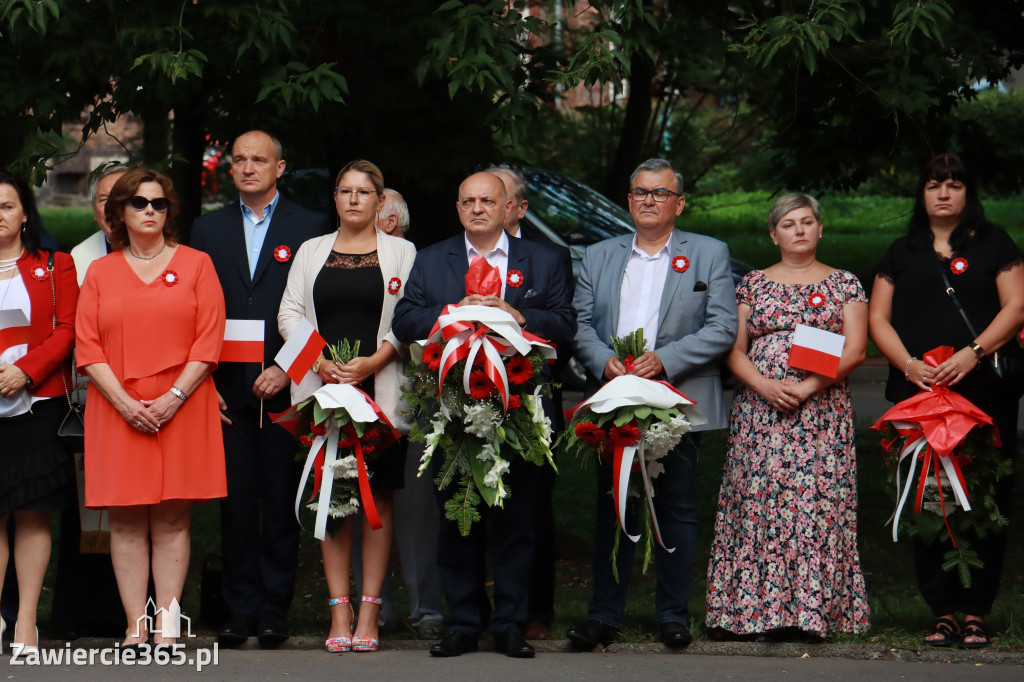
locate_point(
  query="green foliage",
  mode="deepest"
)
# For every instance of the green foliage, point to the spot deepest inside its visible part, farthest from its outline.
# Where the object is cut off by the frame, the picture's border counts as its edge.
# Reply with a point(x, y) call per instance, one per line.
point(462, 507)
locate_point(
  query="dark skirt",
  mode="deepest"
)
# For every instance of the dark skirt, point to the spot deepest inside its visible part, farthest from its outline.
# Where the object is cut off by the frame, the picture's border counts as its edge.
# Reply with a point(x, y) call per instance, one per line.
point(36, 473)
point(387, 472)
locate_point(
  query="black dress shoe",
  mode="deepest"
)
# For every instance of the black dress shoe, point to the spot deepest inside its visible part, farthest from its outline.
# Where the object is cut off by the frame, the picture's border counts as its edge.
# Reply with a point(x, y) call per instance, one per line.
point(590, 634)
point(455, 644)
point(235, 631)
point(271, 631)
point(512, 644)
point(675, 635)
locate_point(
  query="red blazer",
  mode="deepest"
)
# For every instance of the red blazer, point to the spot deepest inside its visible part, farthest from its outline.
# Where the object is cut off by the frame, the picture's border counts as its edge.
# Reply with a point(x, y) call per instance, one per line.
point(49, 353)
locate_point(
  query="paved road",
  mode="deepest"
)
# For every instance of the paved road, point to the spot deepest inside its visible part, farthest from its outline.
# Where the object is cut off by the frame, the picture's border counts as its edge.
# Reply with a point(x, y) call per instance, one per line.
point(613, 666)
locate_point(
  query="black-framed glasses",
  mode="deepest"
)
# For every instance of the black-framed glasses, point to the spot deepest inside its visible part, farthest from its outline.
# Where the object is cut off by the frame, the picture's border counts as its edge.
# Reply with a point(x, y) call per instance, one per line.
point(660, 195)
point(361, 192)
point(160, 204)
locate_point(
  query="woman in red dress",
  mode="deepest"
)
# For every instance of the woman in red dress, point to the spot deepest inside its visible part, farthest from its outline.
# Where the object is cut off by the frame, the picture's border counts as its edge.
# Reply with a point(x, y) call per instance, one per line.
point(150, 327)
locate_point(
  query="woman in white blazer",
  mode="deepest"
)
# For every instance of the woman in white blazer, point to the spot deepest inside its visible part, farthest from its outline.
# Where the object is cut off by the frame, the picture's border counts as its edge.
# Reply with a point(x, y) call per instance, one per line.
point(346, 284)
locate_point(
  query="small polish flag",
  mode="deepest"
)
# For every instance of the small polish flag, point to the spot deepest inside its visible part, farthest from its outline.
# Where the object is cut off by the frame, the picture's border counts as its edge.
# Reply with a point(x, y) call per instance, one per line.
point(14, 328)
point(243, 341)
point(300, 351)
point(816, 350)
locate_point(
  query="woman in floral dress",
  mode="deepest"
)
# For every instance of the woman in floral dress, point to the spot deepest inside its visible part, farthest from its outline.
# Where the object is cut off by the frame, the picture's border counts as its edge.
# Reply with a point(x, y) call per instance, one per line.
point(784, 559)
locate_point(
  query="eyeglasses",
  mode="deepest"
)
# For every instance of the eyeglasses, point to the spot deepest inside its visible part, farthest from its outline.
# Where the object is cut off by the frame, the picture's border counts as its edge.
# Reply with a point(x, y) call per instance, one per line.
point(362, 192)
point(660, 195)
point(160, 204)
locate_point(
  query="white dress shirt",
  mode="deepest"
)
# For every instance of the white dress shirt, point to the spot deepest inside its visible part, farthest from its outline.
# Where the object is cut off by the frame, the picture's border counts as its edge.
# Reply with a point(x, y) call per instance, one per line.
point(497, 256)
point(640, 296)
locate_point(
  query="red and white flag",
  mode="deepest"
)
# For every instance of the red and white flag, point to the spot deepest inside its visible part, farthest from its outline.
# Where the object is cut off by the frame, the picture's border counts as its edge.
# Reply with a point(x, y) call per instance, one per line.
point(243, 341)
point(300, 351)
point(816, 350)
point(14, 328)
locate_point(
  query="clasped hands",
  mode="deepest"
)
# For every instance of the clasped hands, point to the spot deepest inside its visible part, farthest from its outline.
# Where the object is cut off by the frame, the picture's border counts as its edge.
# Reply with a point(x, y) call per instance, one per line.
point(12, 380)
point(355, 371)
point(949, 373)
point(148, 416)
point(647, 366)
point(495, 302)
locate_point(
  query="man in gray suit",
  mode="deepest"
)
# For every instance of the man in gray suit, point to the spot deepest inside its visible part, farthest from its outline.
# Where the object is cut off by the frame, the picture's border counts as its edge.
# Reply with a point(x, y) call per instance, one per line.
point(678, 287)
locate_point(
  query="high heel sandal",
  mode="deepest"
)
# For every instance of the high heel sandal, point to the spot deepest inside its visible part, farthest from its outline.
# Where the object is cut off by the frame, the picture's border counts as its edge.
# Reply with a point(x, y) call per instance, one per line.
point(337, 645)
point(24, 649)
point(367, 643)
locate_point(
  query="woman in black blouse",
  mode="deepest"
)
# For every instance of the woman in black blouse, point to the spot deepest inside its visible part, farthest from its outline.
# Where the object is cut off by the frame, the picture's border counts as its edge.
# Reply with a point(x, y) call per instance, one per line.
point(910, 314)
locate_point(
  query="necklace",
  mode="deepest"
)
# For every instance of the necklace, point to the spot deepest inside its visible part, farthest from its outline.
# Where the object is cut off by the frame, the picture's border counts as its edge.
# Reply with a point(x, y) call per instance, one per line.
point(148, 258)
point(8, 264)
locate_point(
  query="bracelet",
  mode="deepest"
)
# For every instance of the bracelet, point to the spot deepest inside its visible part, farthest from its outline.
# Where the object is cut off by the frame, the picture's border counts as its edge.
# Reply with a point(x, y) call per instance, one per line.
point(178, 393)
point(906, 367)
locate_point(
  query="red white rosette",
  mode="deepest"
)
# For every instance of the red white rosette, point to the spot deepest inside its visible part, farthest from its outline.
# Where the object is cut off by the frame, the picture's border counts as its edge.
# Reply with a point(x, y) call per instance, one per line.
point(282, 254)
point(169, 277)
point(39, 273)
point(394, 286)
point(958, 266)
point(468, 330)
point(630, 390)
point(680, 263)
point(514, 278)
point(816, 300)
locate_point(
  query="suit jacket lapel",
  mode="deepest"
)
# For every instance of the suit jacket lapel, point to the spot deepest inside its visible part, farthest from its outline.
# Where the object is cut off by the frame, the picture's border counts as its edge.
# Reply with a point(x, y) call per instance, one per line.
point(518, 260)
point(673, 280)
point(275, 237)
point(459, 264)
point(611, 289)
point(236, 246)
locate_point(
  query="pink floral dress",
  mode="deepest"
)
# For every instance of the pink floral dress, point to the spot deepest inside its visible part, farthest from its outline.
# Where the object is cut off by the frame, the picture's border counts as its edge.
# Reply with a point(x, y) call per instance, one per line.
point(785, 547)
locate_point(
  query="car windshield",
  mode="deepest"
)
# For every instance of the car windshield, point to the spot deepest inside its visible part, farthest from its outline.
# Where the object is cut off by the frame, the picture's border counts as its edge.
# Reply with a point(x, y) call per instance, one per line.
point(573, 210)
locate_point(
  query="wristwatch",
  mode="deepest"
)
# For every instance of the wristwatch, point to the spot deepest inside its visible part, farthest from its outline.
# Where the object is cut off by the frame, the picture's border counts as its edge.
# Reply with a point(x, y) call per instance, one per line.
point(979, 352)
point(316, 365)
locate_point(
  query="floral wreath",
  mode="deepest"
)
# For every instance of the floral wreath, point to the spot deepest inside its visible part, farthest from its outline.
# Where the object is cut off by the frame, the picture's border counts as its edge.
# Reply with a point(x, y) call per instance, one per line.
point(394, 286)
point(680, 263)
point(282, 253)
point(514, 279)
point(169, 277)
point(816, 300)
point(39, 273)
point(958, 266)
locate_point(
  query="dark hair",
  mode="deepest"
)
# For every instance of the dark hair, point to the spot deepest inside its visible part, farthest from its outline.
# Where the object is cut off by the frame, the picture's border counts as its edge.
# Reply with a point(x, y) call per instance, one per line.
point(31, 235)
point(973, 223)
point(121, 193)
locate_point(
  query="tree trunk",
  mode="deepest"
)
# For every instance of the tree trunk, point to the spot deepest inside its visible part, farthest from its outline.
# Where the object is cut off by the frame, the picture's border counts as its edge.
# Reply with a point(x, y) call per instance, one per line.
point(634, 128)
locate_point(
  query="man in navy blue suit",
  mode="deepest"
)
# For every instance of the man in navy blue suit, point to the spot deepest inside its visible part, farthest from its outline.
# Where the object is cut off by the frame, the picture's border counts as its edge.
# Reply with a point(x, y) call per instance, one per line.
point(251, 242)
point(542, 305)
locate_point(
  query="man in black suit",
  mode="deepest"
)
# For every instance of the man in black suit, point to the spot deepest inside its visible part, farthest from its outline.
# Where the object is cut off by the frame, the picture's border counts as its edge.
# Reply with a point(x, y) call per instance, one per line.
point(251, 243)
point(541, 303)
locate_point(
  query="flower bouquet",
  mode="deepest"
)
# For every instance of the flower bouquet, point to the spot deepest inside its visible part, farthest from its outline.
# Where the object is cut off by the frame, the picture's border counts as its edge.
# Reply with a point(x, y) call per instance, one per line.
point(632, 423)
point(479, 377)
point(341, 429)
point(946, 435)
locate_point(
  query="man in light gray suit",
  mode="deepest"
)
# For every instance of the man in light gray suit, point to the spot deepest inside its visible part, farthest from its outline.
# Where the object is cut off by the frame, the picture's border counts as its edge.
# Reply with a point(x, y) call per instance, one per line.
point(678, 287)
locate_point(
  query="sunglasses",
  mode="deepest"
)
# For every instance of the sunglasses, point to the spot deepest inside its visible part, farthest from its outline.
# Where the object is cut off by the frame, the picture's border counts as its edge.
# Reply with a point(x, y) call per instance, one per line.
point(159, 204)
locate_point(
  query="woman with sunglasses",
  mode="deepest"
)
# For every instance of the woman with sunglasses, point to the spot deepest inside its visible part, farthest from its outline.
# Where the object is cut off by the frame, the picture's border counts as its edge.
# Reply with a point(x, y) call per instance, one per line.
point(150, 328)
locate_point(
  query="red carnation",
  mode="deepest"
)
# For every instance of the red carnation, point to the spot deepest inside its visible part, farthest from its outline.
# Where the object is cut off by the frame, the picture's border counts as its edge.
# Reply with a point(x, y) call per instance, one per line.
point(628, 363)
point(318, 429)
point(589, 432)
point(480, 386)
point(432, 356)
point(345, 443)
point(368, 450)
point(514, 402)
point(371, 435)
point(625, 435)
point(305, 441)
point(519, 369)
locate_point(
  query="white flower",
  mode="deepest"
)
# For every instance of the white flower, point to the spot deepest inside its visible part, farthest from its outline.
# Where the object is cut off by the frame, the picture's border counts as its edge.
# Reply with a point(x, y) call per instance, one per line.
point(344, 467)
point(493, 477)
point(481, 420)
point(680, 425)
point(433, 438)
point(654, 469)
point(488, 452)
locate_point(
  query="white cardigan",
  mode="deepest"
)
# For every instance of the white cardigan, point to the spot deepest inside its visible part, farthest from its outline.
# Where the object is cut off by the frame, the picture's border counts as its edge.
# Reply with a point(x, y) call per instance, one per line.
point(396, 257)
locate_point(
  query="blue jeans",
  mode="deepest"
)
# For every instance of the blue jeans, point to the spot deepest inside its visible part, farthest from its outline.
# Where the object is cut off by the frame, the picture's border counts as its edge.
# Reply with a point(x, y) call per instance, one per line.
point(677, 517)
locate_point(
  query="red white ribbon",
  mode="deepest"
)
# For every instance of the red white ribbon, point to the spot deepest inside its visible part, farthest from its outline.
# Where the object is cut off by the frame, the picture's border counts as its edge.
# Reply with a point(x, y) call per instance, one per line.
point(917, 447)
point(471, 329)
point(622, 464)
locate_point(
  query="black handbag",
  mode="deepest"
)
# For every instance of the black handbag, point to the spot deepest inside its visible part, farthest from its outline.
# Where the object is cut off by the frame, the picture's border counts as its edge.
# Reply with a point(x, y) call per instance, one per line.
point(72, 428)
point(1004, 368)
